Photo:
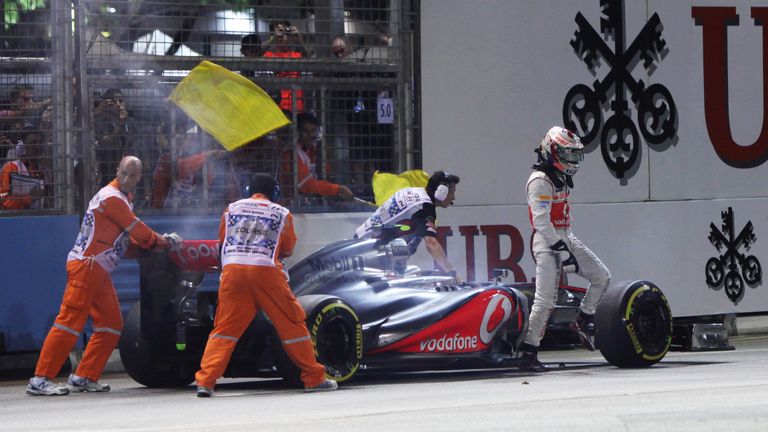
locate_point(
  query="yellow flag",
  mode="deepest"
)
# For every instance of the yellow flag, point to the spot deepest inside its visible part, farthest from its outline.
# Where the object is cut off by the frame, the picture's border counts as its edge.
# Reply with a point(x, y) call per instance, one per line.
point(386, 184)
point(228, 106)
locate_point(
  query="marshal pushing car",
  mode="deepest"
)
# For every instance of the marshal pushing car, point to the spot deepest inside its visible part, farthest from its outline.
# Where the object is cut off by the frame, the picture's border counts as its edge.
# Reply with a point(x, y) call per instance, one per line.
point(368, 309)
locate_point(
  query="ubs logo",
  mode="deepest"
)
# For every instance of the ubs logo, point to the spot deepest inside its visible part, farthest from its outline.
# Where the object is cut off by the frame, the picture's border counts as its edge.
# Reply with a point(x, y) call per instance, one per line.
point(731, 268)
point(584, 105)
point(714, 22)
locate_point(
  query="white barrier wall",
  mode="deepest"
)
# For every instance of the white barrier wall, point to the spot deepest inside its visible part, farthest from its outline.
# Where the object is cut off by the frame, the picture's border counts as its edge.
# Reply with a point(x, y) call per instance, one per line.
point(496, 76)
point(666, 242)
point(495, 82)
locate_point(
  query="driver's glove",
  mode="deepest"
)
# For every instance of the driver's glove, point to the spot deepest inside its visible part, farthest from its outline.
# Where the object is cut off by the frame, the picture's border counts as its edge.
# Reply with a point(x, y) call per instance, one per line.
point(567, 260)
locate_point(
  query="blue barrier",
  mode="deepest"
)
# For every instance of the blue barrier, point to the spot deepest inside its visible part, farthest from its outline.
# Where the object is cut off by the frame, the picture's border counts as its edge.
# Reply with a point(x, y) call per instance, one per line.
point(33, 255)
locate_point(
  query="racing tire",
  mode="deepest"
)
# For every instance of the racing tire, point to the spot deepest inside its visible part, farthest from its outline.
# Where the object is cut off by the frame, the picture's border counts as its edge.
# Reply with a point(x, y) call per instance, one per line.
point(142, 364)
point(633, 324)
point(337, 337)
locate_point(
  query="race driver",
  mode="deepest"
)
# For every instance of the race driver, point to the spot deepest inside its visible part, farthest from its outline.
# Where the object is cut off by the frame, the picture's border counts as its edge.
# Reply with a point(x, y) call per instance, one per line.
point(413, 210)
point(554, 246)
point(255, 234)
point(109, 231)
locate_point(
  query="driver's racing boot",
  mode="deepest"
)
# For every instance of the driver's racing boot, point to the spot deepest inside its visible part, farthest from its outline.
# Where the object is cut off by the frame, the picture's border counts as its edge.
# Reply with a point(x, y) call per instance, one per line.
point(584, 327)
point(529, 359)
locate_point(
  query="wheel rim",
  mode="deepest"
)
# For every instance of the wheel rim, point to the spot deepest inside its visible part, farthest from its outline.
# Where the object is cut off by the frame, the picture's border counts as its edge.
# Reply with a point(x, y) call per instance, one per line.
point(651, 324)
point(336, 348)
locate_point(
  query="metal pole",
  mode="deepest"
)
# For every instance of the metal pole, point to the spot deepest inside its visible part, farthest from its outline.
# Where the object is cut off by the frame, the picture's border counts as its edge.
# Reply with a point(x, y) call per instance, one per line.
point(62, 66)
point(83, 146)
point(171, 195)
point(402, 149)
point(294, 144)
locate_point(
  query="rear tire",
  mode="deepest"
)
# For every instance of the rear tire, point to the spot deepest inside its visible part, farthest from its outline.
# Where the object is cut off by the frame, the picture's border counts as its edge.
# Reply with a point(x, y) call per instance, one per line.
point(336, 335)
point(634, 324)
point(143, 365)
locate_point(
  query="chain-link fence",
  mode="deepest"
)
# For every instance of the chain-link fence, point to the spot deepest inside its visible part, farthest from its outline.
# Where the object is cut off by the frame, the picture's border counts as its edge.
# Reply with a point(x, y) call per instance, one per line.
point(85, 83)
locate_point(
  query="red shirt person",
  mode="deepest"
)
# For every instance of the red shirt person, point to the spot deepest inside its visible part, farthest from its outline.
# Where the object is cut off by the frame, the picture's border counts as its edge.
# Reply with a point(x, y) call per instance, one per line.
point(25, 163)
point(305, 152)
point(286, 43)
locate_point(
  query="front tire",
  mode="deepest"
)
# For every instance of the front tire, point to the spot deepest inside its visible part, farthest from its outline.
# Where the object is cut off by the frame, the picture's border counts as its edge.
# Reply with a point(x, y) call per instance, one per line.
point(634, 324)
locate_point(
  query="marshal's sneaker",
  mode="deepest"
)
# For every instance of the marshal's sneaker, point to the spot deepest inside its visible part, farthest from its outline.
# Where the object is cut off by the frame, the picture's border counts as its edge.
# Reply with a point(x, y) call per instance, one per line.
point(204, 391)
point(327, 385)
point(81, 384)
point(42, 386)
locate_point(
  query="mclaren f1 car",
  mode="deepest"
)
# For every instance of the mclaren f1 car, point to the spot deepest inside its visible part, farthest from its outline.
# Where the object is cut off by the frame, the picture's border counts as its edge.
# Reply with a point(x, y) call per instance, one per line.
point(369, 310)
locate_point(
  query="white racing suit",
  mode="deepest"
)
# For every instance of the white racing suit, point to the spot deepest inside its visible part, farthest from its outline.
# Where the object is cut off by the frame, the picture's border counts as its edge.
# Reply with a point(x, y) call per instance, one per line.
point(548, 209)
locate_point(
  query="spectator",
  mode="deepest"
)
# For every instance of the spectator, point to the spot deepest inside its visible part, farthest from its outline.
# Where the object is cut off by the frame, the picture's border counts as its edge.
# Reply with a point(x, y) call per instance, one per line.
point(353, 118)
point(306, 153)
point(23, 104)
point(22, 112)
point(22, 183)
point(342, 48)
point(286, 42)
point(250, 47)
point(113, 129)
point(186, 187)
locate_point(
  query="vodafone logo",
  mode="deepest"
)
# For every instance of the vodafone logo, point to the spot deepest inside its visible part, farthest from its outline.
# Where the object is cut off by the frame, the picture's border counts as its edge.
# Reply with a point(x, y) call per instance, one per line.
point(497, 312)
point(493, 318)
point(456, 342)
point(201, 250)
point(197, 255)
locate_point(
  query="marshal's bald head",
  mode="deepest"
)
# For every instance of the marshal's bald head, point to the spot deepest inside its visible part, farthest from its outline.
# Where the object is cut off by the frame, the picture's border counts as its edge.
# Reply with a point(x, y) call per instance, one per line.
point(129, 173)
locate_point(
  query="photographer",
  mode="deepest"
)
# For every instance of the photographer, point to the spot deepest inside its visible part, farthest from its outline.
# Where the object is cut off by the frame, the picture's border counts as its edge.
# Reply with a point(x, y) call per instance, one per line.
point(114, 131)
point(285, 37)
point(286, 42)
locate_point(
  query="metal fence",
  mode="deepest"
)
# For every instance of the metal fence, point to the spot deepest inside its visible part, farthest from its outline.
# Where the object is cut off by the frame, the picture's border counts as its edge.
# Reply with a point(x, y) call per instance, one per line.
point(85, 83)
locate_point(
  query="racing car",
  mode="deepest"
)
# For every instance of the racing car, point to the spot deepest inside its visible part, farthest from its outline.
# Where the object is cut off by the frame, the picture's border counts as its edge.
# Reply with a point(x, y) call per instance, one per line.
point(369, 310)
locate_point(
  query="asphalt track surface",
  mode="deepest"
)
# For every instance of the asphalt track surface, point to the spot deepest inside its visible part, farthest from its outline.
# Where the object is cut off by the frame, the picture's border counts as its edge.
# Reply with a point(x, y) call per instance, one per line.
point(687, 391)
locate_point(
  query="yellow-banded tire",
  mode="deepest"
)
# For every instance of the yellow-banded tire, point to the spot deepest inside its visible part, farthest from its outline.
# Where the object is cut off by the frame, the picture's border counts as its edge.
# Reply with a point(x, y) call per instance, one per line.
point(336, 335)
point(633, 324)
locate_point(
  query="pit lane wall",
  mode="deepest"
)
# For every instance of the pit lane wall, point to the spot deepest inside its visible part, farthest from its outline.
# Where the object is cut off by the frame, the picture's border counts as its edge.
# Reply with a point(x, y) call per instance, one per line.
point(689, 114)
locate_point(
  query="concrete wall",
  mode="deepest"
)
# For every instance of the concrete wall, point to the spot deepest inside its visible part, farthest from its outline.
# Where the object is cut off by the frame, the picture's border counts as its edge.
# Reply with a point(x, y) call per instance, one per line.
point(493, 84)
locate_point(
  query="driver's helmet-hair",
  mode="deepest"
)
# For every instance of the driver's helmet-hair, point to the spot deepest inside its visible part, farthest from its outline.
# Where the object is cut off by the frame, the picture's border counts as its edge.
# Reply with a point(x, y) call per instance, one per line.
point(440, 178)
point(562, 149)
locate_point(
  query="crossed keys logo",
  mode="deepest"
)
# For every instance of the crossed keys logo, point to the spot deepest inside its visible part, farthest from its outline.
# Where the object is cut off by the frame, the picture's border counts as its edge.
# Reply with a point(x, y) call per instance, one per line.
point(724, 269)
point(584, 105)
